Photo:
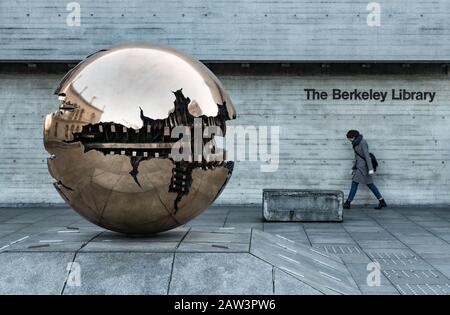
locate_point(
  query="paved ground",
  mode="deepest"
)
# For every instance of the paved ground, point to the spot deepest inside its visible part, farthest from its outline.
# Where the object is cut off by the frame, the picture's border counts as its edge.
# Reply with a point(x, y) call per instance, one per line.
point(412, 246)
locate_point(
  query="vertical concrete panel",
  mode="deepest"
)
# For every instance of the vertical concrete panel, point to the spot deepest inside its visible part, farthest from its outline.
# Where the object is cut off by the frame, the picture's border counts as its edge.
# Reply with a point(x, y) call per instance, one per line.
point(24, 102)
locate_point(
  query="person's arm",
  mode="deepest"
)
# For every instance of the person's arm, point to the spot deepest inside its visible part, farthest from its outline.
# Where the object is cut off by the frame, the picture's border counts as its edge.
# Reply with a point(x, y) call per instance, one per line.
point(353, 169)
point(365, 149)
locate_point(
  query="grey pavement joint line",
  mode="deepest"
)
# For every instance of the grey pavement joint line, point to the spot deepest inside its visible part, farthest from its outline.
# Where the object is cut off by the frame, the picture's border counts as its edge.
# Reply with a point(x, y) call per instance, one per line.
point(182, 239)
point(171, 273)
point(250, 243)
point(75, 256)
point(226, 218)
point(307, 237)
point(273, 279)
point(68, 273)
point(173, 259)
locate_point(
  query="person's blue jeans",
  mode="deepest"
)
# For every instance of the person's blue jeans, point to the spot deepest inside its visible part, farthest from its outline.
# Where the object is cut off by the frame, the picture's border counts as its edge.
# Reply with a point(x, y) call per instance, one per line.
point(354, 189)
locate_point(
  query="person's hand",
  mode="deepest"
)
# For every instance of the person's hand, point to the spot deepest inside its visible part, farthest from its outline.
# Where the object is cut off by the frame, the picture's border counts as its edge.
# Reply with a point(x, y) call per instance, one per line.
point(371, 172)
point(352, 171)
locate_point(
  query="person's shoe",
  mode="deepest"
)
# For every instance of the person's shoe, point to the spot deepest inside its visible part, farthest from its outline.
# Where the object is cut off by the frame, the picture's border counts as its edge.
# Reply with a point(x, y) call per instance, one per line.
point(381, 205)
point(347, 204)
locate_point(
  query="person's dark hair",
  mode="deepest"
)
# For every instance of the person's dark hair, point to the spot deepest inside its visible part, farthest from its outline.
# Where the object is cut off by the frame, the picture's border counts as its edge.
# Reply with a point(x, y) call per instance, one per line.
point(352, 134)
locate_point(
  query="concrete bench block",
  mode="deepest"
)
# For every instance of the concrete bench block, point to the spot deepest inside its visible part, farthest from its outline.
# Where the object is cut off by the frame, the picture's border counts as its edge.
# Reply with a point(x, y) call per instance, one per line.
point(295, 205)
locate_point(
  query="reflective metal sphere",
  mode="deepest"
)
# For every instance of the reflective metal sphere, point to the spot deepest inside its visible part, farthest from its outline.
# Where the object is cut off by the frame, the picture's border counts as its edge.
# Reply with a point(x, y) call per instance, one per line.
point(115, 143)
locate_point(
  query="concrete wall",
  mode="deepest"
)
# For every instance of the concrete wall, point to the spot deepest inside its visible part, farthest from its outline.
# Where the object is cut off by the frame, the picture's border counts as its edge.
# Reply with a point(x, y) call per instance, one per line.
point(411, 139)
point(300, 30)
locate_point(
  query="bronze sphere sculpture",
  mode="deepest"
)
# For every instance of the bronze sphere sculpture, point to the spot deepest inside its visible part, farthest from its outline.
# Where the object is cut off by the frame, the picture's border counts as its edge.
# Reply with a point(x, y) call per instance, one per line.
point(132, 145)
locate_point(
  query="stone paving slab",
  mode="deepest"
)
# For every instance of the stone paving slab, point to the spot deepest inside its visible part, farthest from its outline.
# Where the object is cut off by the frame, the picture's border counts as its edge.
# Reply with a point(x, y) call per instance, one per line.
point(424, 240)
point(423, 289)
point(442, 265)
point(403, 264)
point(70, 247)
point(220, 273)
point(45, 227)
point(50, 241)
point(326, 238)
point(213, 247)
point(12, 227)
point(378, 290)
point(374, 244)
point(282, 226)
point(369, 236)
point(217, 237)
point(130, 246)
point(428, 276)
point(29, 217)
point(347, 253)
point(301, 238)
point(430, 250)
point(240, 225)
point(390, 253)
point(33, 273)
point(360, 274)
point(122, 273)
point(324, 272)
point(221, 229)
point(13, 239)
point(287, 285)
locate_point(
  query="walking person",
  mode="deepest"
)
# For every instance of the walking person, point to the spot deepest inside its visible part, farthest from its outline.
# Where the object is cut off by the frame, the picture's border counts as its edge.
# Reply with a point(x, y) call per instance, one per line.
point(363, 169)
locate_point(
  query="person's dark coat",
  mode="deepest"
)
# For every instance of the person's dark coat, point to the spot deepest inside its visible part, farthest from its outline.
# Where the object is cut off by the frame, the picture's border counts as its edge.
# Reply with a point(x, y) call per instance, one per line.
point(361, 167)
